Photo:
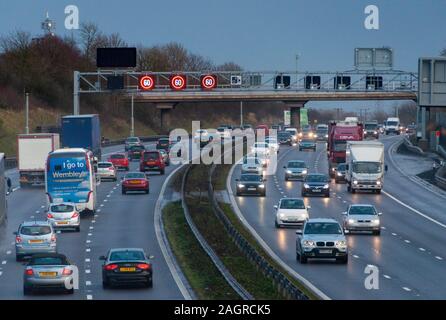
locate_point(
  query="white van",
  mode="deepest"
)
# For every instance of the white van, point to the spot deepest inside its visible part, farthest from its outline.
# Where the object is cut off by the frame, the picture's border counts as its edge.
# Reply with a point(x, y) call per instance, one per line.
point(392, 125)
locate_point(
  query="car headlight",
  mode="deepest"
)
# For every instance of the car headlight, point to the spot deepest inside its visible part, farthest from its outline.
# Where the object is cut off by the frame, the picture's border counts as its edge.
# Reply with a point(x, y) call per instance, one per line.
point(375, 221)
point(241, 185)
point(282, 215)
point(308, 243)
point(326, 136)
point(341, 243)
point(261, 186)
point(355, 182)
point(375, 132)
point(351, 221)
point(339, 174)
point(289, 172)
point(326, 186)
point(304, 172)
point(315, 135)
point(378, 183)
point(306, 186)
point(333, 169)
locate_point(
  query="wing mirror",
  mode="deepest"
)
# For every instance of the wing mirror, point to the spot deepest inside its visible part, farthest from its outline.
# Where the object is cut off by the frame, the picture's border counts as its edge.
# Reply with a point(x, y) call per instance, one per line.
point(276, 207)
point(308, 207)
point(344, 213)
point(299, 231)
point(103, 258)
point(380, 213)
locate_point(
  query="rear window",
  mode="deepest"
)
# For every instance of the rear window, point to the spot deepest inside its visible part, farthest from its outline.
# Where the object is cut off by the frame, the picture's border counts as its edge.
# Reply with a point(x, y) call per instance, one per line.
point(62, 208)
point(137, 148)
point(104, 165)
point(151, 156)
point(35, 230)
point(48, 261)
point(117, 156)
point(163, 141)
point(135, 175)
point(127, 256)
point(292, 204)
point(132, 140)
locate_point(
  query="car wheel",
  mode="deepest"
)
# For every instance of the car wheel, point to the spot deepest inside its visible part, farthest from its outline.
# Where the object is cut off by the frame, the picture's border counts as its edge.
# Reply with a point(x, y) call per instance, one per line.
point(27, 291)
point(303, 259)
point(286, 178)
point(147, 191)
point(78, 229)
point(278, 226)
point(327, 195)
point(349, 188)
point(353, 190)
point(378, 191)
point(70, 291)
point(297, 256)
point(336, 181)
point(302, 194)
point(127, 169)
point(149, 283)
point(123, 191)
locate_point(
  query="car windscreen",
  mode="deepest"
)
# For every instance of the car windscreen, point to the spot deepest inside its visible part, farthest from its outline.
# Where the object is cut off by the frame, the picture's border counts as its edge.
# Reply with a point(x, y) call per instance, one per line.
point(316, 178)
point(341, 167)
point(35, 230)
point(251, 177)
point(292, 204)
point(48, 261)
point(392, 123)
point(296, 164)
point(163, 141)
point(362, 210)
point(117, 156)
point(307, 141)
point(322, 228)
point(284, 135)
point(367, 167)
point(137, 148)
point(322, 131)
point(130, 255)
point(370, 126)
point(135, 175)
point(251, 161)
point(132, 140)
point(59, 208)
point(151, 156)
point(104, 165)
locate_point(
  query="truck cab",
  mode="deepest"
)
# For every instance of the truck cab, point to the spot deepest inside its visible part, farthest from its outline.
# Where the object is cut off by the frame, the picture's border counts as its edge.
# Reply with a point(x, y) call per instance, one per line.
point(392, 125)
point(364, 169)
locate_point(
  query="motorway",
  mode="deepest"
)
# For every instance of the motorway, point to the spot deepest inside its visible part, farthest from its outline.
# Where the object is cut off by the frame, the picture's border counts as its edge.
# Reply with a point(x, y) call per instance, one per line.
point(409, 253)
point(120, 221)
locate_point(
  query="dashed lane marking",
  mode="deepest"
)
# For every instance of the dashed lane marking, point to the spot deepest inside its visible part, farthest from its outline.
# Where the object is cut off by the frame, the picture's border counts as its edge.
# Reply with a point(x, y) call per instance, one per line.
point(394, 234)
point(4, 262)
point(407, 289)
point(386, 276)
point(8, 252)
point(355, 256)
point(87, 250)
point(88, 283)
point(422, 249)
point(87, 259)
point(89, 297)
point(438, 258)
point(407, 241)
point(87, 271)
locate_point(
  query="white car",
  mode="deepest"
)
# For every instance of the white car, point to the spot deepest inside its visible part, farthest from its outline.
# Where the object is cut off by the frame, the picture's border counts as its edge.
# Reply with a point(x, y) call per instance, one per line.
point(64, 216)
point(252, 165)
point(106, 170)
point(260, 148)
point(362, 217)
point(291, 212)
point(293, 131)
point(273, 144)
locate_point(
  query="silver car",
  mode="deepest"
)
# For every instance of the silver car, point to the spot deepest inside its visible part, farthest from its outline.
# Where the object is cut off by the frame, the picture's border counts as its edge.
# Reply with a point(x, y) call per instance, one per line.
point(35, 237)
point(252, 165)
point(321, 239)
point(64, 216)
point(295, 170)
point(49, 271)
point(362, 217)
point(106, 170)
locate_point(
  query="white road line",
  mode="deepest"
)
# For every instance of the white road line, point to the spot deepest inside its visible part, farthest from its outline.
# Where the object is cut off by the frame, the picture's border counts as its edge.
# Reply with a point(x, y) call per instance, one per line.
point(42, 207)
point(90, 234)
point(87, 271)
point(89, 297)
point(88, 283)
point(4, 262)
point(394, 234)
point(1, 273)
point(87, 250)
point(91, 227)
point(386, 276)
point(355, 256)
point(37, 211)
point(88, 241)
point(383, 228)
point(8, 252)
point(407, 241)
point(422, 249)
point(105, 200)
point(101, 205)
point(87, 260)
point(407, 289)
point(438, 258)
point(108, 196)
point(93, 221)
point(415, 210)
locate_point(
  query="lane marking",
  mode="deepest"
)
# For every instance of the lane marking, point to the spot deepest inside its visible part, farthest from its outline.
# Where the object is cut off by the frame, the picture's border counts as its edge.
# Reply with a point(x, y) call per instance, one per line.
point(8, 252)
point(355, 256)
point(89, 297)
point(438, 258)
point(407, 241)
point(422, 249)
point(386, 276)
point(1, 273)
point(394, 234)
point(87, 250)
point(90, 234)
point(87, 260)
point(88, 283)
point(407, 289)
point(87, 271)
point(4, 262)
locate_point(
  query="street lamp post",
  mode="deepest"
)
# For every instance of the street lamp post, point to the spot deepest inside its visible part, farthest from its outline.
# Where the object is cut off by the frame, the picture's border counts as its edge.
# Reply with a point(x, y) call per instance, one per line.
point(132, 120)
point(27, 113)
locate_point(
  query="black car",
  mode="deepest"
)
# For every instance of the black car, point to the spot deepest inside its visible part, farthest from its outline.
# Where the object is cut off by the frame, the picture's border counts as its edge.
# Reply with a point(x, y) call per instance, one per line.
point(135, 152)
point(163, 143)
point(284, 137)
point(316, 184)
point(126, 266)
point(251, 184)
point(340, 173)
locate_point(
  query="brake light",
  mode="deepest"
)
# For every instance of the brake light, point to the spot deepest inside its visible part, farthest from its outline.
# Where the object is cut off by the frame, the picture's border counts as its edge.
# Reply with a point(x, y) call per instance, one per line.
point(29, 272)
point(75, 215)
point(67, 272)
point(111, 267)
point(111, 169)
point(18, 239)
point(53, 238)
point(143, 266)
point(50, 216)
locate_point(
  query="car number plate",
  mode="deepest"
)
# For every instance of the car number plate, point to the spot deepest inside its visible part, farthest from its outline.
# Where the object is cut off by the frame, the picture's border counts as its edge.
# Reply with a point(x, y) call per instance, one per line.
point(35, 241)
point(316, 190)
point(62, 222)
point(151, 163)
point(127, 269)
point(48, 274)
point(325, 251)
point(134, 182)
point(252, 189)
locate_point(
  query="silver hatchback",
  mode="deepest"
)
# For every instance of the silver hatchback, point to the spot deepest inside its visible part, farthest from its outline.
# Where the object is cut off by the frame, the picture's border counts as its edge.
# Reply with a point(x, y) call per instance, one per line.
point(64, 216)
point(35, 237)
point(106, 170)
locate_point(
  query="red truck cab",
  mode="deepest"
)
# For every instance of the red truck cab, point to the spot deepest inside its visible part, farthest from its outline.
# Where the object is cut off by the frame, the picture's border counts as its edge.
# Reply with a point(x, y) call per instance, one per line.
point(338, 135)
point(120, 161)
point(152, 161)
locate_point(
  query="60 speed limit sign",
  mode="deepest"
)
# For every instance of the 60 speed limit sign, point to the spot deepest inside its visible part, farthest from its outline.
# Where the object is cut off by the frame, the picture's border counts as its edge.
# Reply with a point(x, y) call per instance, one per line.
point(146, 83)
point(178, 82)
point(208, 82)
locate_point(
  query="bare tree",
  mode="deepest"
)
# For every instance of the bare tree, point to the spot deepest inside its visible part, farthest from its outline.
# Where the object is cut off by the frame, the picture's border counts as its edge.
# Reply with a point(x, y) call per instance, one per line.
point(90, 37)
point(229, 66)
point(177, 56)
point(196, 62)
point(115, 40)
point(16, 41)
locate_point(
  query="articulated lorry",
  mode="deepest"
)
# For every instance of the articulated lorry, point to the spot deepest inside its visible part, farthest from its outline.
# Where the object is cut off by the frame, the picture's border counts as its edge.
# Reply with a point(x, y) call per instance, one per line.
point(365, 166)
point(338, 135)
point(82, 131)
point(3, 205)
point(32, 152)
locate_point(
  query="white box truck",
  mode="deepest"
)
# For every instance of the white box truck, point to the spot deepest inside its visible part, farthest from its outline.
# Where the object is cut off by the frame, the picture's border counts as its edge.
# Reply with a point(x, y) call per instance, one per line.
point(3, 204)
point(365, 166)
point(32, 152)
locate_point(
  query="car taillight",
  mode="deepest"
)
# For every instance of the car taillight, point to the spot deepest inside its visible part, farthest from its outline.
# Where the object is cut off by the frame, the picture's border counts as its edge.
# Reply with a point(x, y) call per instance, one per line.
point(18, 239)
point(75, 215)
point(49, 216)
point(111, 267)
point(111, 169)
point(67, 272)
point(29, 272)
point(143, 266)
point(53, 238)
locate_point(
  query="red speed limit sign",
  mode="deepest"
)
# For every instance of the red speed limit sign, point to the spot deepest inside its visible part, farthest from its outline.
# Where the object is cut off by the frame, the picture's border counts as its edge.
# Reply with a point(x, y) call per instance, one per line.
point(178, 82)
point(208, 82)
point(146, 83)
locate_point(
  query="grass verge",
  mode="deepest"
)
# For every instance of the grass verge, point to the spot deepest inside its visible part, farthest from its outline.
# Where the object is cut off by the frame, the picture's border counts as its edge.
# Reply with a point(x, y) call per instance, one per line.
point(203, 276)
point(219, 183)
point(215, 234)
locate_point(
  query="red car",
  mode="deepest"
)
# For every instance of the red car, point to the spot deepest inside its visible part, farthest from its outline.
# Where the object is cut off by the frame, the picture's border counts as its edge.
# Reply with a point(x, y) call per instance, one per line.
point(120, 161)
point(135, 181)
point(152, 161)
